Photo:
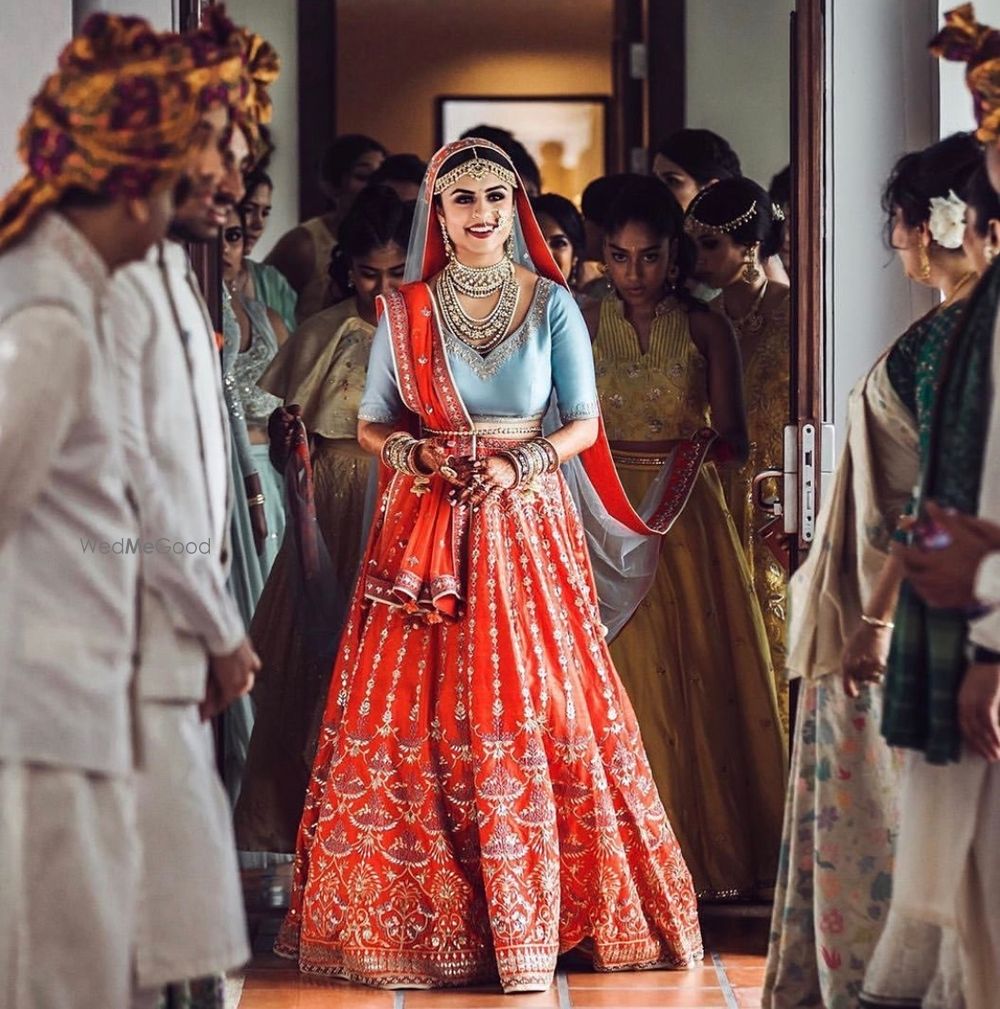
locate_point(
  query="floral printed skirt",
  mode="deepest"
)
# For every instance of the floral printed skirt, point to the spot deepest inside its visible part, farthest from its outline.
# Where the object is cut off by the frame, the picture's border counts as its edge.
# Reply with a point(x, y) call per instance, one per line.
point(480, 800)
point(835, 874)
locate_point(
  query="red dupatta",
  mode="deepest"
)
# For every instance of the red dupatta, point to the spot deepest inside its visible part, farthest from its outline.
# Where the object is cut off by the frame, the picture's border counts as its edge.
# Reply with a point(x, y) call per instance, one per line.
point(415, 555)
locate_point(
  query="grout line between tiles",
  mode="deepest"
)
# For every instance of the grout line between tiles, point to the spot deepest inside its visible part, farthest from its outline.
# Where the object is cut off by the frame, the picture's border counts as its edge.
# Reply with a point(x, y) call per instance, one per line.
point(562, 986)
point(727, 988)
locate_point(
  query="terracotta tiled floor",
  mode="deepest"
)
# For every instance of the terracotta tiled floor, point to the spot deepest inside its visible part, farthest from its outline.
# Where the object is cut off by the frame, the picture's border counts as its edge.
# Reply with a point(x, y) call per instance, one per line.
point(731, 977)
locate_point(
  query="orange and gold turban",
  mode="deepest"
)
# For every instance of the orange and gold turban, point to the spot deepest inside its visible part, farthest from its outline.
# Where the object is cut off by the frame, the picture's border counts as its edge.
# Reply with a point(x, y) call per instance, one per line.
point(113, 119)
point(117, 116)
point(250, 103)
point(262, 69)
point(966, 40)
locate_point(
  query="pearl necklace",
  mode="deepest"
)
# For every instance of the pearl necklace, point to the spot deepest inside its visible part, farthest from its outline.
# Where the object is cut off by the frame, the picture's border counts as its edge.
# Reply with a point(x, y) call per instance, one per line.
point(479, 281)
point(487, 333)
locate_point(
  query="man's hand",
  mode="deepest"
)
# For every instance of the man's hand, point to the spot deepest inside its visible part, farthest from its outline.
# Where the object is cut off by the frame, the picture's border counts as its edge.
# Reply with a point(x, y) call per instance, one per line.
point(229, 676)
point(979, 709)
point(945, 577)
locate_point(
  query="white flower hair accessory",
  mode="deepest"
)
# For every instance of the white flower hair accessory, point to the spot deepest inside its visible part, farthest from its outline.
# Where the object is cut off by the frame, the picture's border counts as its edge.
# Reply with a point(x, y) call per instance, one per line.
point(947, 220)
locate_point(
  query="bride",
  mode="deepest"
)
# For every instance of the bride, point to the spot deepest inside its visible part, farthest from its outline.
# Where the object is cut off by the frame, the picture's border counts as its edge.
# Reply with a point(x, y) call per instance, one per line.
point(480, 800)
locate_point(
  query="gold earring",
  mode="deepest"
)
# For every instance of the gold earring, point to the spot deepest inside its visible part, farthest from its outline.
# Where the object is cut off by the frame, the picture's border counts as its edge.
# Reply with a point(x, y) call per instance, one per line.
point(925, 264)
point(448, 247)
point(990, 252)
point(751, 268)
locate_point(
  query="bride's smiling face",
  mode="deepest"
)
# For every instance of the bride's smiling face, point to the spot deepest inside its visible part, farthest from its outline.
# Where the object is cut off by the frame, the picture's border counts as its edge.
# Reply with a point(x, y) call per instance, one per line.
point(478, 215)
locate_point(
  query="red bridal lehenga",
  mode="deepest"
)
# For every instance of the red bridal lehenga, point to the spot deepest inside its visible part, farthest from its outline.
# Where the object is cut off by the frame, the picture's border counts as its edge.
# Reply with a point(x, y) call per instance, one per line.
point(480, 799)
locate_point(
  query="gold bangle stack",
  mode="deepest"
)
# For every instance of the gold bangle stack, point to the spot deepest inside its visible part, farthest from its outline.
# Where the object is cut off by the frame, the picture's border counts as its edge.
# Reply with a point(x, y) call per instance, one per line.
point(399, 452)
point(257, 499)
point(531, 460)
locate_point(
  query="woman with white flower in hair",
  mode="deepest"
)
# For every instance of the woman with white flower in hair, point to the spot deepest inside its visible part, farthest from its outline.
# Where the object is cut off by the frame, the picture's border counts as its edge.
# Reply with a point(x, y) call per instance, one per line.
point(841, 819)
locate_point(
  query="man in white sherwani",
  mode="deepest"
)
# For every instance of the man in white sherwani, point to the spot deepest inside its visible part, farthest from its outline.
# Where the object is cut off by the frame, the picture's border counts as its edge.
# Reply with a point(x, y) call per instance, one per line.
point(103, 145)
point(195, 656)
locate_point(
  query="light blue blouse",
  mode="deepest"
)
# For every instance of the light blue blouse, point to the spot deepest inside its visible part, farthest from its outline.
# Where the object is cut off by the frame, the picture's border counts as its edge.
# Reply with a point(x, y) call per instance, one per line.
point(549, 350)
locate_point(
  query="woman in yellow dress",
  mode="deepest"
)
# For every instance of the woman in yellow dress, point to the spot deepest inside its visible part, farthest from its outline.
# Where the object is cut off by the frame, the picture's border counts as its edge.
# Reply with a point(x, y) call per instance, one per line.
point(694, 656)
point(322, 370)
point(735, 228)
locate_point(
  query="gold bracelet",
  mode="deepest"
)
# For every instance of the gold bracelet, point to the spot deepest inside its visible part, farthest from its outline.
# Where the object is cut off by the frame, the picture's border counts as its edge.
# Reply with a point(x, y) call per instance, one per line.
point(887, 625)
point(551, 453)
point(257, 499)
point(396, 450)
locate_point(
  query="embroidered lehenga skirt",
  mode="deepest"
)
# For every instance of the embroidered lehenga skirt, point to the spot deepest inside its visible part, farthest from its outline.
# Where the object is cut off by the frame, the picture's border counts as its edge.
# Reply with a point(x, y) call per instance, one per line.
point(480, 800)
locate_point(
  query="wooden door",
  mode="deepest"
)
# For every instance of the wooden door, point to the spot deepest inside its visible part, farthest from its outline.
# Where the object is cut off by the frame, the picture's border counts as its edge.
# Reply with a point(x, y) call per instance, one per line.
point(806, 435)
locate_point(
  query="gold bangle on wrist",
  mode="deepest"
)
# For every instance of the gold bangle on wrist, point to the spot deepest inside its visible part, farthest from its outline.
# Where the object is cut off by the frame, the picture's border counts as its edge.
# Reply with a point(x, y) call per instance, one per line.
point(257, 499)
point(887, 625)
point(413, 460)
point(396, 451)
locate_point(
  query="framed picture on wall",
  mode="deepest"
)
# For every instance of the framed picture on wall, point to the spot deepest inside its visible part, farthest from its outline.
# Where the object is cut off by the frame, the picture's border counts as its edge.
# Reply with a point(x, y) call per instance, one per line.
point(566, 135)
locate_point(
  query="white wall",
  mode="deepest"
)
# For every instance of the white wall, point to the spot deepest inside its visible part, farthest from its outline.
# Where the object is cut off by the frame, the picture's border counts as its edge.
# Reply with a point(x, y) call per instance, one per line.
point(738, 78)
point(277, 21)
point(882, 102)
point(31, 36)
point(159, 13)
point(955, 100)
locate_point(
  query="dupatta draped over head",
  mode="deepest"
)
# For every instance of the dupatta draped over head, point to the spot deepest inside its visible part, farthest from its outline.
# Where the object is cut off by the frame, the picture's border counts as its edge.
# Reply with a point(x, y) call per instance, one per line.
point(416, 551)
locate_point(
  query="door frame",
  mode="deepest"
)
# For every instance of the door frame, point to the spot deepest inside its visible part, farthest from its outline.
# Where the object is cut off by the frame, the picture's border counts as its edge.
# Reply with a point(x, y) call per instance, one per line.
point(808, 294)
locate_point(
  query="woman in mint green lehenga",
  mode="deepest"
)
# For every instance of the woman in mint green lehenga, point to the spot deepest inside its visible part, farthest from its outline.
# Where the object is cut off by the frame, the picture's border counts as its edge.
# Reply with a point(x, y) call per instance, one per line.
point(261, 281)
point(252, 333)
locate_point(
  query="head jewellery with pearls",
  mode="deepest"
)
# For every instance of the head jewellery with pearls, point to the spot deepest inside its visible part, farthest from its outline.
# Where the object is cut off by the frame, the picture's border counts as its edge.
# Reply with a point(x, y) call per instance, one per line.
point(692, 224)
point(477, 168)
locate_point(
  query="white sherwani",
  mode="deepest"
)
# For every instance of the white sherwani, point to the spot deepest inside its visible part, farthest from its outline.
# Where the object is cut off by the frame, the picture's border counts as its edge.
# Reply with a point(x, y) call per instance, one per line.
point(68, 585)
point(175, 429)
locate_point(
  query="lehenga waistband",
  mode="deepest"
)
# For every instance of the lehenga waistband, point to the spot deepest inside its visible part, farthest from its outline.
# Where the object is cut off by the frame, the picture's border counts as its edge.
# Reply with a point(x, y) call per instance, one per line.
point(496, 427)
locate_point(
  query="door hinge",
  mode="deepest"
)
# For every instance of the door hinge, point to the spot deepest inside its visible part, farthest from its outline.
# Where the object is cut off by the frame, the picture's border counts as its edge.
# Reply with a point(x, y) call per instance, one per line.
point(638, 61)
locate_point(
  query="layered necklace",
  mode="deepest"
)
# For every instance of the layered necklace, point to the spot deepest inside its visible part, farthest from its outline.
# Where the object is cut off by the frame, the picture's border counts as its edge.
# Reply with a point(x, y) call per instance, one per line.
point(479, 282)
point(753, 321)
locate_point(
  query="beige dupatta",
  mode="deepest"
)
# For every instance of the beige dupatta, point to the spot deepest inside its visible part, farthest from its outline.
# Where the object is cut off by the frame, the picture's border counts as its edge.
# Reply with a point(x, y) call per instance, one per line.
point(872, 486)
point(322, 367)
